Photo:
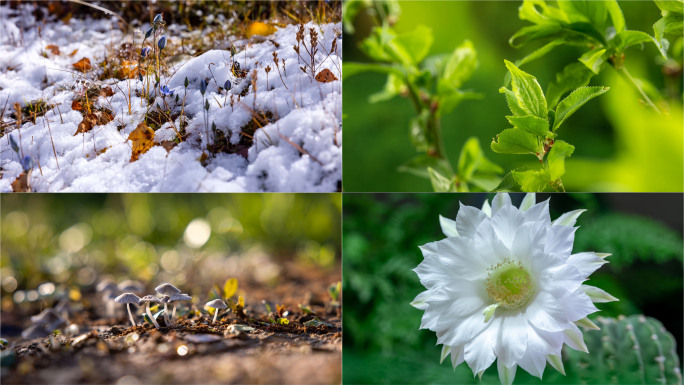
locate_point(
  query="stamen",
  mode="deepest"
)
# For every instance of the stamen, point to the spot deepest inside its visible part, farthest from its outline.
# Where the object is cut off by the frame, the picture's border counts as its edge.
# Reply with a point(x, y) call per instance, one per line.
point(509, 285)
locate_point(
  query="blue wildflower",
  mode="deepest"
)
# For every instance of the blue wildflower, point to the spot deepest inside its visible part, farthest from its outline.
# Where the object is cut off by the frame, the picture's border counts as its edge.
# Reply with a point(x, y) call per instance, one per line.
point(165, 91)
point(186, 82)
point(27, 163)
point(148, 33)
point(162, 42)
point(203, 86)
point(14, 144)
point(158, 18)
point(140, 77)
point(227, 85)
point(145, 51)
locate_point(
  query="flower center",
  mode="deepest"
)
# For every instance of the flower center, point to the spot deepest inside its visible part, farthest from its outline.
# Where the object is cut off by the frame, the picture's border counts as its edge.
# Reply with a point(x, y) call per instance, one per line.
point(509, 285)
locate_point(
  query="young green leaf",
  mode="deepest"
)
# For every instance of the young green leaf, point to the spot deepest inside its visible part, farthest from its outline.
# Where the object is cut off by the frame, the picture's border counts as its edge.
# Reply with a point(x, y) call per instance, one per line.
point(676, 6)
point(351, 69)
point(529, 123)
point(393, 87)
point(516, 141)
point(629, 38)
point(512, 101)
point(508, 183)
point(527, 91)
point(556, 158)
point(461, 64)
point(532, 180)
point(590, 11)
point(419, 165)
point(616, 15)
point(440, 183)
point(574, 101)
point(573, 76)
point(533, 32)
point(472, 159)
point(418, 135)
point(412, 47)
point(593, 59)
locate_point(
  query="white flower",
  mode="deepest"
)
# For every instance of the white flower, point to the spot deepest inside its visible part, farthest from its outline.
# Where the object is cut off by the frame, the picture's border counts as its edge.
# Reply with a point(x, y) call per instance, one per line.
point(504, 285)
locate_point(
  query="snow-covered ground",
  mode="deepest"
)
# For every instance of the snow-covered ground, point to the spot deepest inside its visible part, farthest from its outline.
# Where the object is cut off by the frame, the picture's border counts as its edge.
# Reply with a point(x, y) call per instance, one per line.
point(299, 150)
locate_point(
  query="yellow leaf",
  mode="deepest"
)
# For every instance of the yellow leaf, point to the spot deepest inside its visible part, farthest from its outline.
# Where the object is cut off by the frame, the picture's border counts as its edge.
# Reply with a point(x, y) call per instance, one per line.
point(83, 65)
point(230, 288)
point(258, 28)
point(241, 302)
point(143, 139)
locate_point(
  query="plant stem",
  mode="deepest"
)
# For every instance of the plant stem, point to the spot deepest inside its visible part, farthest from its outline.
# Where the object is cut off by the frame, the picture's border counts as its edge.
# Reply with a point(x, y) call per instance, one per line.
point(623, 71)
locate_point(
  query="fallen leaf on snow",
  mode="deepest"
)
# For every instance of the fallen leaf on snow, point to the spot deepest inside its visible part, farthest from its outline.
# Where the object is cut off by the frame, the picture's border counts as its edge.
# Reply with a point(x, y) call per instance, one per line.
point(143, 139)
point(131, 69)
point(76, 105)
point(257, 28)
point(53, 48)
point(83, 64)
point(97, 118)
point(21, 183)
point(73, 52)
point(106, 92)
point(168, 145)
point(325, 76)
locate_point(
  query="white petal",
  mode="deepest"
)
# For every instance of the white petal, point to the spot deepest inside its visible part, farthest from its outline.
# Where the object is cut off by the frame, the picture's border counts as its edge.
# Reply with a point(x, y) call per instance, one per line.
point(561, 280)
point(578, 305)
point(574, 339)
point(467, 220)
point(459, 299)
point(512, 339)
point(448, 227)
point(456, 355)
point(559, 240)
point(488, 245)
point(506, 374)
point(460, 331)
point(569, 218)
point(479, 353)
point(527, 202)
point(539, 213)
point(587, 324)
point(486, 208)
point(587, 262)
point(460, 256)
point(499, 201)
point(556, 362)
point(528, 246)
point(539, 345)
point(545, 313)
point(419, 301)
point(597, 295)
point(446, 349)
point(506, 222)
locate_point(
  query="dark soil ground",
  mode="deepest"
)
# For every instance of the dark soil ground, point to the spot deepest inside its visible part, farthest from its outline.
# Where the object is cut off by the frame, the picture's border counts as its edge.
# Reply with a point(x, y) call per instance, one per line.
point(255, 350)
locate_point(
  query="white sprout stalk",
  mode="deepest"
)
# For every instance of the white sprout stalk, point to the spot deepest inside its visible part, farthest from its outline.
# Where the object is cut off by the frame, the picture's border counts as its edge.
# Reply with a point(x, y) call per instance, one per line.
point(128, 306)
point(149, 314)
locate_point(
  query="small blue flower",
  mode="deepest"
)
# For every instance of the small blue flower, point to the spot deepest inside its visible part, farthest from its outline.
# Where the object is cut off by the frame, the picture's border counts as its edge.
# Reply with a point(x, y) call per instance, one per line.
point(162, 42)
point(158, 18)
point(165, 91)
point(149, 32)
point(227, 85)
point(203, 86)
point(186, 82)
point(27, 163)
point(145, 51)
point(14, 144)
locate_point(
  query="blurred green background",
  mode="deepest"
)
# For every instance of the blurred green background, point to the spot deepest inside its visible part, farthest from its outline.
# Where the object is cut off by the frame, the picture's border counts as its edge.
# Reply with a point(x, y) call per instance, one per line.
point(188, 239)
point(620, 145)
point(381, 235)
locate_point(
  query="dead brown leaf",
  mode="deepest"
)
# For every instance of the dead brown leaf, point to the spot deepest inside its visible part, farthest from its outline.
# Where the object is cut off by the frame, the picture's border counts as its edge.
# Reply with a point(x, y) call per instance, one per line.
point(168, 145)
point(96, 118)
point(83, 65)
point(21, 183)
point(143, 139)
point(73, 52)
point(131, 69)
point(76, 105)
point(53, 48)
point(106, 92)
point(325, 76)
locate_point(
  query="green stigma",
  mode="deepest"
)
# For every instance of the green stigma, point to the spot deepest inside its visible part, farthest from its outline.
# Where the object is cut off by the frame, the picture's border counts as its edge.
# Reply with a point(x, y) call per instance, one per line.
point(509, 285)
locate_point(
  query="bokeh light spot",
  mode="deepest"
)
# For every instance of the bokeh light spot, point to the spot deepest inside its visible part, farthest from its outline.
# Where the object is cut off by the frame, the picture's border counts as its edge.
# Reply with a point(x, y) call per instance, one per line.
point(197, 233)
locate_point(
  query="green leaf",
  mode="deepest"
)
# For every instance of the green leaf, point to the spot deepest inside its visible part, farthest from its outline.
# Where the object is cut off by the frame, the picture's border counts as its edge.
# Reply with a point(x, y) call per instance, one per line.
point(485, 182)
point(508, 183)
point(449, 100)
point(616, 15)
point(529, 10)
point(419, 165)
point(417, 131)
point(532, 180)
point(350, 9)
point(676, 6)
point(587, 30)
point(540, 52)
point(591, 11)
point(472, 159)
point(377, 45)
point(531, 33)
point(461, 64)
point(556, 158)
point(416, 44)
point(573, 76)
point(440, 183)
point(527, 91)
point(669, 25)
point(512, 101)
point(628, 38)
point(351, 69)
point(529, 123)
point(516, 141)
point(393, 87)
point(574, 101)
point(593, 59)
point(230, 288)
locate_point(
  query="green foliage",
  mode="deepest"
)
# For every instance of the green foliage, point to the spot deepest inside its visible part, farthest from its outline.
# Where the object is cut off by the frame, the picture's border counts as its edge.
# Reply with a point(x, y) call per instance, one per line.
point(630, 239)
point(670, 24)
point(530, 134)
point(627, 350)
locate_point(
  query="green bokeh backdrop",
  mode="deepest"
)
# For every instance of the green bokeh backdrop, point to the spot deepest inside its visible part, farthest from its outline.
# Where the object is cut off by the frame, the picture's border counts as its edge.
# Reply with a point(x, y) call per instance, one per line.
point(620, 145)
